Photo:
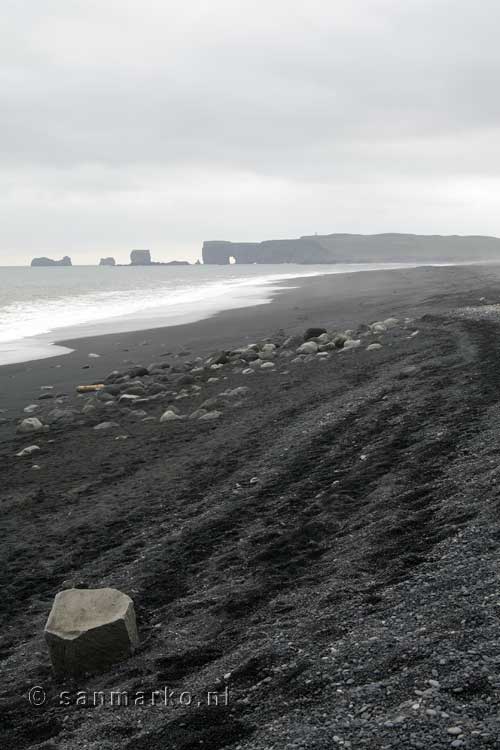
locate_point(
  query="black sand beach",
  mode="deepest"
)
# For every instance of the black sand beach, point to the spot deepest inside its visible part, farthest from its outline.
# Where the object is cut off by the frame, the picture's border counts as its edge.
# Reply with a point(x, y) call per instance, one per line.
point(326, 549)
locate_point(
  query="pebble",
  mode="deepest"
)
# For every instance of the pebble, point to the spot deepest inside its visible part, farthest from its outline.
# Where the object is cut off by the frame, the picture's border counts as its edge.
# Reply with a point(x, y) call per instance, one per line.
point(210, 415)
point(28, 451)
point(31, 408)
point(169, 416)
point(106, 425)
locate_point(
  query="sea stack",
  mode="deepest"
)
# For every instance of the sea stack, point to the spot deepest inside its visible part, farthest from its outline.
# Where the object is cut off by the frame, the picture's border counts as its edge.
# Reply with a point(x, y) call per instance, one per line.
point(107, 262)
point(140, 258)
point(66, 261)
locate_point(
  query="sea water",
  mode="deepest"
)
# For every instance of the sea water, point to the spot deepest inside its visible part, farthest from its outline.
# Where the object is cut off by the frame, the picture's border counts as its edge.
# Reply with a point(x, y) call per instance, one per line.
point(39, 306)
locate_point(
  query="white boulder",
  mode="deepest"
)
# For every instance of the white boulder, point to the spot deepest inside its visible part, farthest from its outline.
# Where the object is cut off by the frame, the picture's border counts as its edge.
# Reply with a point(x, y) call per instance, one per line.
point(90, 629)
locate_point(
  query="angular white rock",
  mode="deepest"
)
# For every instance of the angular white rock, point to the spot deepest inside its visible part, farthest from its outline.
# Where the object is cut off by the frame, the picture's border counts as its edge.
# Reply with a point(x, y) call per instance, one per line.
point(90, 629)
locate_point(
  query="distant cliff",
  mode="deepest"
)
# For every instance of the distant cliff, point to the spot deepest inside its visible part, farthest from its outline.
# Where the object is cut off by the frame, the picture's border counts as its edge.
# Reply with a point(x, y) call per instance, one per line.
point(107, 262)
point(355, 248)
point(66, 261)
point(140, 258)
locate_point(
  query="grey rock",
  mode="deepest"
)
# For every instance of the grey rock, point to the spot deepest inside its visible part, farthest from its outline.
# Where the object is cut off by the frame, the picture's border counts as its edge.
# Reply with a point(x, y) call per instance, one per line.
point(373, 347)
point(198, 413)
point(137, 372)
point(210, 415)
point(88, 630)
point(128, 398)
point(31, 409)
point(106, 425)
point(351, 344)
point(32, 424)
point(60, 417)
point(28, 451)
point(309, 347)
point(339, 340)
point(313, 333)
point(170, 416)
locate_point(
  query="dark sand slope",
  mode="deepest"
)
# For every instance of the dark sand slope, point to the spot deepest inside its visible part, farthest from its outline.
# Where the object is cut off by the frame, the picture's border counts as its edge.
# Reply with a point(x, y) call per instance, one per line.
point(329, 549)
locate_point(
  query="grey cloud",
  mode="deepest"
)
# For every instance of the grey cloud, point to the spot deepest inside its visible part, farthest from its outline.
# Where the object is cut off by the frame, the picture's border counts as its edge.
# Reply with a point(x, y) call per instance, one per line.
point(131, 119)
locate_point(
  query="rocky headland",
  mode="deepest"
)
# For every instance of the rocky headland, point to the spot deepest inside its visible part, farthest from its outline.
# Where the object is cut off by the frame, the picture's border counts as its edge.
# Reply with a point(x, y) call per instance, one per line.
point(66, 261)
point(355, 248)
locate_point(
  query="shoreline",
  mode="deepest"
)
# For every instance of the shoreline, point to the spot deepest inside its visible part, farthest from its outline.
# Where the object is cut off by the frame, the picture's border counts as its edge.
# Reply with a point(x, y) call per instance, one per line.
point(166, 307)
point(340, 300)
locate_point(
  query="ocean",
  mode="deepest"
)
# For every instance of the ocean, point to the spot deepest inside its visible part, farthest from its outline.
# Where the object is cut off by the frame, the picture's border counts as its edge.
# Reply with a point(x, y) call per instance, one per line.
point(39, 306)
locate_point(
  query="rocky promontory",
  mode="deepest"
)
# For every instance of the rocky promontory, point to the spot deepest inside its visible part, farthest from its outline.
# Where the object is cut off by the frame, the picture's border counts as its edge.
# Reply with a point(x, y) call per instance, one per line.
point(66, 261)
point(355, 248)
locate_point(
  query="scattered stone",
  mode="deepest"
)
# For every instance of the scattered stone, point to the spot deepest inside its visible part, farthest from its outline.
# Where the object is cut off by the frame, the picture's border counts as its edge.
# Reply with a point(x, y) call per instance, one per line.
point(391, 322)
point(28, 451)
point(242, 390)
point(106, 425)
point(137, 372)
point(93, 355)
point(31, 408)
point(454, 730)
point(210, 415)
point(128, 397)
point(351, 344)
point(323, 339)
point(373, 347)
point(90, 629)
point(340, 340)
point(60, 417)
point(310, 347)
point(90, 406)
point(268, 366)
point(313, 333)
point(407, 372)
point(32, 424)
point(170, 416)
point(198, 413)
point(248, 371)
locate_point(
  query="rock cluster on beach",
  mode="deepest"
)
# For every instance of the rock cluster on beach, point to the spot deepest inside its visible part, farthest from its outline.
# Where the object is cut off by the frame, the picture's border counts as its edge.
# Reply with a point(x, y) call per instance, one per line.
point(170, 392)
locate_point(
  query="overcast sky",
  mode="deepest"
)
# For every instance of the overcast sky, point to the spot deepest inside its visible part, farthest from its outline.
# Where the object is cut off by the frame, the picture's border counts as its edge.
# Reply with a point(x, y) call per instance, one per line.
point(162, 123)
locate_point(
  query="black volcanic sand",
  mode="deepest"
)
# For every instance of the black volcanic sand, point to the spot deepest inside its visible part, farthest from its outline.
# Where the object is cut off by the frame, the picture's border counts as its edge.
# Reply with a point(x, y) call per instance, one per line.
point(328, 549)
